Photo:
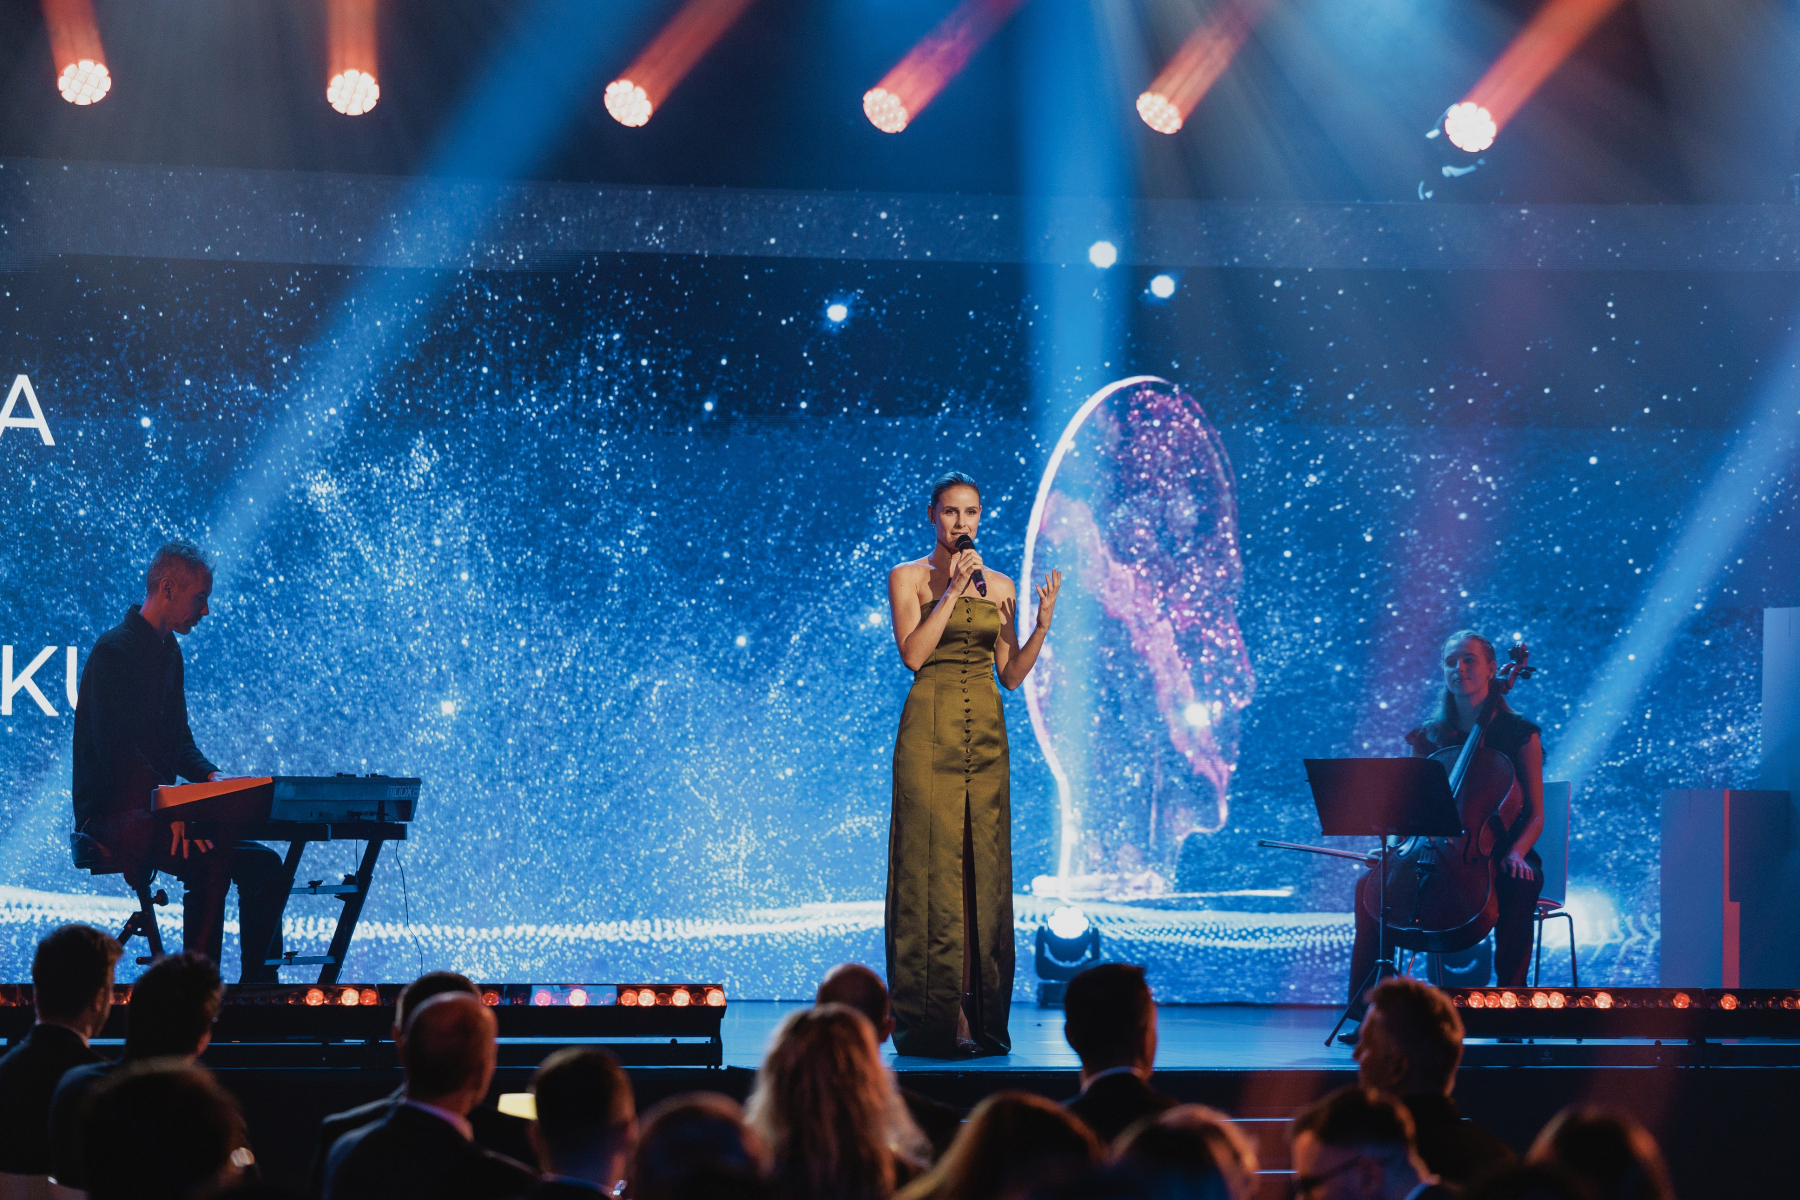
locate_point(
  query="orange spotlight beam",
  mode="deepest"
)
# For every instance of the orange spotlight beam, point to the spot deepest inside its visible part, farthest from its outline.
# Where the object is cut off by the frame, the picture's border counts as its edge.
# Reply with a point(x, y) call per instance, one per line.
point(1179, 87)
point(350, 68)
point(1541, 47)
point(81, 74)
point(916, 79)
point(634, 96)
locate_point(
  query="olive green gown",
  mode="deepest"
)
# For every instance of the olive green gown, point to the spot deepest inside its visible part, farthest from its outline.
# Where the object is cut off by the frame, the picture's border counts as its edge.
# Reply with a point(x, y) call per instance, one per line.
point(950, 846)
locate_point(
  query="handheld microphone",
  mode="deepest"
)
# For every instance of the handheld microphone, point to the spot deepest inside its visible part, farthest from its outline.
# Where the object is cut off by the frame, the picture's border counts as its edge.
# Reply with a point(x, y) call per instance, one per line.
point(965, 542)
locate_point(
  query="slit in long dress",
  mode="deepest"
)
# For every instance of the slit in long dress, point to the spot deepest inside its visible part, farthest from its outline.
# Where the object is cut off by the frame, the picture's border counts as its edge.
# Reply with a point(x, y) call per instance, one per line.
point(968, 1012)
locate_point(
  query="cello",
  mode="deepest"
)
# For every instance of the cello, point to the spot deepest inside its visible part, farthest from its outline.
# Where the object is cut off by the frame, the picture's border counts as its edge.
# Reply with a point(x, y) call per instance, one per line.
point(1439, 894)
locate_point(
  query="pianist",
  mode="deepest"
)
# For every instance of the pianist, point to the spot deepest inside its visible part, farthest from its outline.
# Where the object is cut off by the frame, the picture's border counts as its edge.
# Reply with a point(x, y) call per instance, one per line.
point(132, 735)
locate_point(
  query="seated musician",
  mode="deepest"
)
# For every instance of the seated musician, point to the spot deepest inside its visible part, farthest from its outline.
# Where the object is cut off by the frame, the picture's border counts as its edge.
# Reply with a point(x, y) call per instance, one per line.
point(1469, 669)
point(132, 735)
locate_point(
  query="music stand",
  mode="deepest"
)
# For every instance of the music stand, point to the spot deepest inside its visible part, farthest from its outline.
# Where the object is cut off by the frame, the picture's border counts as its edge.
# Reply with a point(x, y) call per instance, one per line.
point(1381, 797)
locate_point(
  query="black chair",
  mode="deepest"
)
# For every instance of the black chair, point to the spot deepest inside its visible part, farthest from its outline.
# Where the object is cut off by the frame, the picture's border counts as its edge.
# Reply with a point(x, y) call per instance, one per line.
point(1553, 849)
point(96, 859)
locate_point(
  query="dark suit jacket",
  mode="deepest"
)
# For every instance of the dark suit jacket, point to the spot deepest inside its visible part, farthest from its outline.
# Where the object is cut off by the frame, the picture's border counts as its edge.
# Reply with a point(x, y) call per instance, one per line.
point(28, 1077)
point(78, 1083)
point(1456, 1150)
point(555, 1189)
point(494, 1130)
point(1111, 1104)
point(411, 1154)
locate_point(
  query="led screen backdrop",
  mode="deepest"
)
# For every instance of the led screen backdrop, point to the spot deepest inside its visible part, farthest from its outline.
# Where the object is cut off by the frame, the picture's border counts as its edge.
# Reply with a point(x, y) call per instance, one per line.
point(599, 552)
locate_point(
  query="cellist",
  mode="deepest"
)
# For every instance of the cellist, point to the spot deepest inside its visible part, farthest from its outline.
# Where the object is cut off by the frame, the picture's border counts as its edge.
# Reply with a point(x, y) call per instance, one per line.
point(1470, 666)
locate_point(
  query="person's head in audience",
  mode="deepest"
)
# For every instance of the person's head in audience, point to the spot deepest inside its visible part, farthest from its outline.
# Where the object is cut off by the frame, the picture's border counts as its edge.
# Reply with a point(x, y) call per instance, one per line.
point(1011, 1142)
point(829, 1112)
point(432, 983)
point(1534, 1181)
point(161, 1129)
point(1609, 1151)
point(449, 1052)
point(1411, 1041)
point(692, 1144)
point(1356, 1144)
point(1110, 1019)
point(586, 1117)
point(72, 978)
point(1192, 1152)
point(856, 986)
point(172, 1008)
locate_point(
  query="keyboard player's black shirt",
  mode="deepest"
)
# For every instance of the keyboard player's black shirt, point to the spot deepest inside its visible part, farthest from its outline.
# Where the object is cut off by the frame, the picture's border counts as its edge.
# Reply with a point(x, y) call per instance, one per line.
point(131, 721)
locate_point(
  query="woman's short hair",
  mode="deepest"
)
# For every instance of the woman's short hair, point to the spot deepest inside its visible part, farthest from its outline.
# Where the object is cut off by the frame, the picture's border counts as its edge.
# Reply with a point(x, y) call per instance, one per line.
point(829, 1112)
point(1195, 1150)
point(1011, 1141)
point(950, 479)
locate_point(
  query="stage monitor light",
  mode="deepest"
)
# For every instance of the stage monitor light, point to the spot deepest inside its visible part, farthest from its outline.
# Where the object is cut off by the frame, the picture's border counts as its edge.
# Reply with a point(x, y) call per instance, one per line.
point(81, 74)
point(633, 98)
point(350, 86)
point(1180, 86)
point(1532, 57)
point(1067, 944)
point(938, 58)
point(1470, 127)
point(352, 92)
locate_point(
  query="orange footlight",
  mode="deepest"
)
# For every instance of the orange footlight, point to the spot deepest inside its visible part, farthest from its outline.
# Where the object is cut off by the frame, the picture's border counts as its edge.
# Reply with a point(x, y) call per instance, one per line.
point(715, 997)
point(349, 997)
point(315, 996)
point(1728, 1002)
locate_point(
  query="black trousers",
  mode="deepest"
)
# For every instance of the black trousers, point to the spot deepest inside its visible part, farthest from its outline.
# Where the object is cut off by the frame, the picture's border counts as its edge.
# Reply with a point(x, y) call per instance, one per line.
point(141, 845)
point(1512, 934)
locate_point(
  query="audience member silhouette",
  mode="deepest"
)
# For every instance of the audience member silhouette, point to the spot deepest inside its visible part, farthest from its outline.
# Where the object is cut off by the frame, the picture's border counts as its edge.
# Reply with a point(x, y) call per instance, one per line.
point(829, 1113)
point(688, 1139)
point(1410, 1046)
point(170, 1016)
point(161, 1129)
point(1534, 1181)
point(1111, 1024)
point(494, 1130)
point(1610, 1152)
point(1189, 1152)
point(860, 988)
point(424, 1148)
point(586, 1124)
point(1011, 1142)
point(1357, 1144)
point(72, 988)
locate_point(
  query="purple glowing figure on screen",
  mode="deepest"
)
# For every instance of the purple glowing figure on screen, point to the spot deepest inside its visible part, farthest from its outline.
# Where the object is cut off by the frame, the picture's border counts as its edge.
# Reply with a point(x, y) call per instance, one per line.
point(1136, 698)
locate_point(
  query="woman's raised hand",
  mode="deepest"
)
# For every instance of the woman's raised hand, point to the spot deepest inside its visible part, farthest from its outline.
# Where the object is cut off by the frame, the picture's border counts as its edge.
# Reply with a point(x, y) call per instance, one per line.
point(1046, 598)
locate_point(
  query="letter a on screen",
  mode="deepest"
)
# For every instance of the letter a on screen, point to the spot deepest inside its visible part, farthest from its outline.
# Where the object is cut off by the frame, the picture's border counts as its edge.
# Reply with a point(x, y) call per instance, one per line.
point(22, 387)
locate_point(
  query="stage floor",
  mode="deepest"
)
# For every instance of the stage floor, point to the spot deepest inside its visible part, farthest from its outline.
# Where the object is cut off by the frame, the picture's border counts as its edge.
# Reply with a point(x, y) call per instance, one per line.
point(1198, 1037)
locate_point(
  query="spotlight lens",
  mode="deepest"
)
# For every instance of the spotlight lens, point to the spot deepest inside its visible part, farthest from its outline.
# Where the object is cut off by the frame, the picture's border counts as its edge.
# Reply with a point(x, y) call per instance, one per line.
point(1103, 254)
point(1728, 1002)
point(1558, 1000)
point(1470, 127)
point(542, 998)
point(646, 998)
point(1603, 1000)
point(1539, 1000)
point(628, 998)
point(1068, 922)
point(578, 998)
point(1476, 1000)
point(885, 110)
point(1509, 1000)
point(837, 312)
point(1162, 287)
point(491, 999)
point(352, 92)
point(715, 998)
point(1158, 113)
point(369, 996)
point(628, 103)
point(350, 998)
point(680, 998)
point(315, 996)
point(84, 82)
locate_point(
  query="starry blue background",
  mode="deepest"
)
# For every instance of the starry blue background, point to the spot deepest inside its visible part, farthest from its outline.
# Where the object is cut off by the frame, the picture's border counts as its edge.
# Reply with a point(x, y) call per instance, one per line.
point(600, 554)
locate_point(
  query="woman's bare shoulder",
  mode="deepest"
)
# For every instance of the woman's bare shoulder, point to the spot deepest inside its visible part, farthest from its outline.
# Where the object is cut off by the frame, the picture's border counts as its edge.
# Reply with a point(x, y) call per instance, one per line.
point(911, 572)
point(1004, 582)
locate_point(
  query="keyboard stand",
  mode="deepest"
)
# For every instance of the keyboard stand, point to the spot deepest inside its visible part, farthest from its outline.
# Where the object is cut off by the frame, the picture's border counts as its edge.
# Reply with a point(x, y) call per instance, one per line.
point(353, 891)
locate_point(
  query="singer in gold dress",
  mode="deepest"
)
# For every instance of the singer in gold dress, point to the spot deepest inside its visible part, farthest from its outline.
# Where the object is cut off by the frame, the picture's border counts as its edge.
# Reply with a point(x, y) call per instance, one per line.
point(949, 892)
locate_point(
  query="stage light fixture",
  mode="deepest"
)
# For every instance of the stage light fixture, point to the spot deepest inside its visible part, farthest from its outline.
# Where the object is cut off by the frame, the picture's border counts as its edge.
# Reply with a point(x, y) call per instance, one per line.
point(1103, 254)
point(350, 86)
point(1470, 127)
point(633, 98)
point(1179, 87)
point(315, 996)
point(1067, 944)
point(939, 56)
point(1533, 56)
point(81, 74)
